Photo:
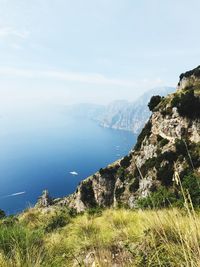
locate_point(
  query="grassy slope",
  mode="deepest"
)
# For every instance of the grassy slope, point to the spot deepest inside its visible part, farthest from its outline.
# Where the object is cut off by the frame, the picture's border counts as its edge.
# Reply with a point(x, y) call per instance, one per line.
point(128, 238)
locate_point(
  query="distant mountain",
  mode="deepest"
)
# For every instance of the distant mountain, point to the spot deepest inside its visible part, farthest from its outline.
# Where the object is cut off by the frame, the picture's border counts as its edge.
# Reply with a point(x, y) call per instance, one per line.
point(120, 114)
point(131, 116)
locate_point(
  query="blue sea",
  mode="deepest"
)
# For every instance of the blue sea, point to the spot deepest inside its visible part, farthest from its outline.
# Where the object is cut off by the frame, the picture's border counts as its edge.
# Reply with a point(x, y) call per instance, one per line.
point(40, 147)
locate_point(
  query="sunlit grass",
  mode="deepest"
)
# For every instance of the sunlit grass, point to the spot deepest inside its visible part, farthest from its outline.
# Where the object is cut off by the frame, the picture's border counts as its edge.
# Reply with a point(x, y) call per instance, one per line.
point(168, 237)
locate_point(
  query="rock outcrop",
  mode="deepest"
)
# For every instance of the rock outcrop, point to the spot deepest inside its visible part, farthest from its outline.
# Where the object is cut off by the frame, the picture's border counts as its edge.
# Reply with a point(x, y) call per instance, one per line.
point(45, 200)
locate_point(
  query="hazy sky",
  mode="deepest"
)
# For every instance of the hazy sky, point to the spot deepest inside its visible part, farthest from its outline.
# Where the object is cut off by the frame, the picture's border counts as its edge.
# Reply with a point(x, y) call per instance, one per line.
point(64, 51)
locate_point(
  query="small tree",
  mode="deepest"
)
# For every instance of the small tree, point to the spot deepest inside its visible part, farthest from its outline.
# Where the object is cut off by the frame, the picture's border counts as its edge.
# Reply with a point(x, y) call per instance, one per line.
point(155, 100)
point(188, 104)
point(2, 214)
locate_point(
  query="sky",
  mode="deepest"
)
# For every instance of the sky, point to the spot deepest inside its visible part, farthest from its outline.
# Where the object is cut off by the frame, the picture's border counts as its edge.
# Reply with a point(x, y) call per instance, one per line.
point(64, 52)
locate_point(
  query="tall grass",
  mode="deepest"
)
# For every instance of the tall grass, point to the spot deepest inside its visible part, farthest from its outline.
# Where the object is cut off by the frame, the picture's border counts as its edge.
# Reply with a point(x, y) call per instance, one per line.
point(111, 237)
point(168, 237)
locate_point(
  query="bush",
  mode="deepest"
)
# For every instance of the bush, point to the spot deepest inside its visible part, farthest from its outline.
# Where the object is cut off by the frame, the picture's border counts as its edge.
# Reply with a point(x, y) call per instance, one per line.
point(180, 147)
point(194, 150)
point(72, 212)
point(2, 214)
point(121, 173)
point(155, 100)
point(192, 155)
point(165, 174)
point(9, 221)
point(164, 142)
point(134, 186)
point(108, 171)
point(170, 156)
point(146, 132)
point(188, 104)
point(159, 199)
point(191, 185)
point(126, 161)
point(95, 212)
point(149, 164)
point(57, 221)
point(119, 191)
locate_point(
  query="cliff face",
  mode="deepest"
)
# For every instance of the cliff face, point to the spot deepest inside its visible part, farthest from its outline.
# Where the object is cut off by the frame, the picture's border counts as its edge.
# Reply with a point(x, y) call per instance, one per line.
point(167, 147)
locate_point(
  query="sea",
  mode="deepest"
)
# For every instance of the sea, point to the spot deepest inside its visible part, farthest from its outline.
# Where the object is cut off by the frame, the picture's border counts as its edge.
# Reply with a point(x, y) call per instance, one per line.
point(49, 148)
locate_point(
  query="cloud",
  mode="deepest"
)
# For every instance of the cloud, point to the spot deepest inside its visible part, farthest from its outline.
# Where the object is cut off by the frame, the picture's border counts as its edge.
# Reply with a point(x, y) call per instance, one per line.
point(10, 32)
point(78, 77)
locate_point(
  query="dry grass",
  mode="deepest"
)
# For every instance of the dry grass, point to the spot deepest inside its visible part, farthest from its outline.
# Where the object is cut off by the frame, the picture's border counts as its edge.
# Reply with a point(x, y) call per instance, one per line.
point(120, 237)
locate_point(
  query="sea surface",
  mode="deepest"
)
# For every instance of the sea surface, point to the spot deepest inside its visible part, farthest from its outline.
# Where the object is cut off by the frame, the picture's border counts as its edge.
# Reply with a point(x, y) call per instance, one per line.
point(39, 148)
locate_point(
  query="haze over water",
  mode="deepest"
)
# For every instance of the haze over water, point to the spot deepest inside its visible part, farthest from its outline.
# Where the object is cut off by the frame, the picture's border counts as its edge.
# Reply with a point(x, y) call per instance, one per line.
point(40, 147)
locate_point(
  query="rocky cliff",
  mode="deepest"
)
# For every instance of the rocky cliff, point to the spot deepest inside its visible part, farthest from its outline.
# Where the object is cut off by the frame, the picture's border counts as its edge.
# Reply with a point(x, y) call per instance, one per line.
point(167, 152)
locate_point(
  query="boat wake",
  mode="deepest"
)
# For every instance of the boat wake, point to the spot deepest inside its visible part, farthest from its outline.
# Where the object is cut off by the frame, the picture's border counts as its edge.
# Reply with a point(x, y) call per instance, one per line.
point(14, 194)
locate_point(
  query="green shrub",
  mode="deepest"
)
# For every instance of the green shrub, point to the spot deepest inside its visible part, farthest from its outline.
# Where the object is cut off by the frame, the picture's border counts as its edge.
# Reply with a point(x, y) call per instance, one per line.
point(2, 214)
point(9, 220)
point(170, 156)
point(121, 173)
point(155, 100)
point(126, 161)
point(194, 150)
point(134, 186)
point(188, 104)
point(57, 221)
point(72, 212)
point(191, 185)
point(95, 212)
point(190, 151)
point(146, 132)
point(180, 147)
point(165, 174)
point(108, 171)
point(149, 164)
point(119, 191)
point(164, 142)
point(161, 198)
point(159, 138)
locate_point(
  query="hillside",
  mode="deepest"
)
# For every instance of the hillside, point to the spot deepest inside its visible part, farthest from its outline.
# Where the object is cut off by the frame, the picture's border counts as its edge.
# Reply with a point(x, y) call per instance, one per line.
point(167, 150)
